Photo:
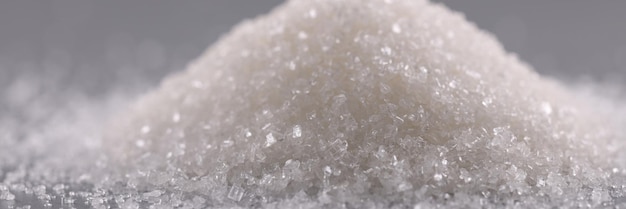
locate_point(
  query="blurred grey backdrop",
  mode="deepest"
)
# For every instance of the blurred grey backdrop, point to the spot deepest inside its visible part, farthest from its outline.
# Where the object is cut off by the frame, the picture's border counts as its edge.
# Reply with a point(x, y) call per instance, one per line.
point(91, 44)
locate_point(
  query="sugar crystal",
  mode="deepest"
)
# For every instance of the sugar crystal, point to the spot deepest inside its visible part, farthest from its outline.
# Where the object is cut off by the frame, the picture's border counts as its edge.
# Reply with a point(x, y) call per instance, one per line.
point(236, 193)
point(396, 28)
point(297, 131)
point(269, 140)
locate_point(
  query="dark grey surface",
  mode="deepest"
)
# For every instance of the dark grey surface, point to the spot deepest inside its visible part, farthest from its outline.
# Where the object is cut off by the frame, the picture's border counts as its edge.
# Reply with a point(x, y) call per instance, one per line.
point(566, 38)
point(98, 42)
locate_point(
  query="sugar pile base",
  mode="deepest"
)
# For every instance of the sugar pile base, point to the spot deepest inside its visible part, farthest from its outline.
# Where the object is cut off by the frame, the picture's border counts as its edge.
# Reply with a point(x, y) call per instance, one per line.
point(332, 104)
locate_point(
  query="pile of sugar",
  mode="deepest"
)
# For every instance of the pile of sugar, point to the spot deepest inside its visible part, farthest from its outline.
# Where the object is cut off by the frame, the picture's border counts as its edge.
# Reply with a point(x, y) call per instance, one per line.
point(332, 104)
point(369, 103)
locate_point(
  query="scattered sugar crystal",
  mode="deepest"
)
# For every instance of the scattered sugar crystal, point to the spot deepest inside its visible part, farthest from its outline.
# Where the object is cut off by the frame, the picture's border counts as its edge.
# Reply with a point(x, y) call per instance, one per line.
point(198, 201)
point(140, 143)
point(39, 190)
point(396, 28)
point(297, 131)
point(236, 193)
point(386, 50)
point(313, 13)
point(302, 35)
point(6, 195)
point(227, 143)
point(155, 193)
point(292, 65)
point(269, 140)
point(145, 129)
point(176, 117)
point(247, 133)
point(546, 107)
point(437, 177)
point(327, 170)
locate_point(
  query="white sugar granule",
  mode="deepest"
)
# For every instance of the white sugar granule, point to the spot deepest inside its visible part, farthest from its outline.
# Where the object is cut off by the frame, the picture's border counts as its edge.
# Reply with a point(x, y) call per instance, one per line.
point(330, 104)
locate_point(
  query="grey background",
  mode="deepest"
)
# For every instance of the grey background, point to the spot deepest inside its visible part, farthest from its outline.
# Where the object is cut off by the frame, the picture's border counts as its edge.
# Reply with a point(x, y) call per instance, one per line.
point(92, 44)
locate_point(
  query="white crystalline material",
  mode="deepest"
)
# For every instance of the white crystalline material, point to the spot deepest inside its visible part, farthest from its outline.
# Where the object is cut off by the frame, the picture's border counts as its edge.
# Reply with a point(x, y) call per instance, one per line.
point(5, 194)
point(297, 131)
point(270, 140)
point(235, 193)
point(352, 103)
